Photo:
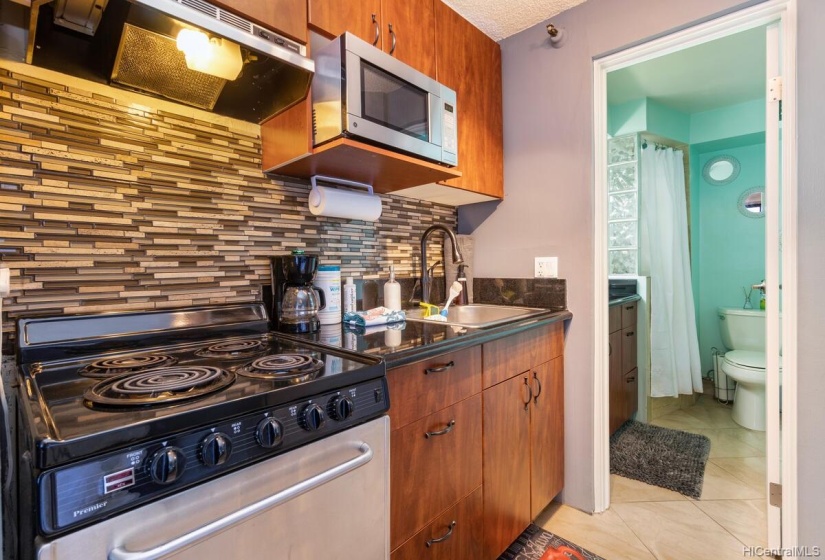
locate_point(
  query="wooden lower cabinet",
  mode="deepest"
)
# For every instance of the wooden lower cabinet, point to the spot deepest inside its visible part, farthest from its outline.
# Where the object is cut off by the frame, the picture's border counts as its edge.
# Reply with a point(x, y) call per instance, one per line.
point(523, 451)
point(434, 462)
point(454, 535)
point(623, 376)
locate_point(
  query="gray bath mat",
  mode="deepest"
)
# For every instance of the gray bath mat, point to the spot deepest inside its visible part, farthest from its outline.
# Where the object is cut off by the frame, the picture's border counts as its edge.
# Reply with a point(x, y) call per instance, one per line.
point(668, 458)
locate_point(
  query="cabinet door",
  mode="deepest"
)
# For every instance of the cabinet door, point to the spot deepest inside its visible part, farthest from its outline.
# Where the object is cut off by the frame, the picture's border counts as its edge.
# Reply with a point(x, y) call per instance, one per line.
point(470, 63)
point(506, 463)
point(546, 435)
point(628, 349)
point(362, 18)
point(429, 473)
point(616, 382)
point(455, 535)
point(412, 39)
point(631, 393)
point(286, 16)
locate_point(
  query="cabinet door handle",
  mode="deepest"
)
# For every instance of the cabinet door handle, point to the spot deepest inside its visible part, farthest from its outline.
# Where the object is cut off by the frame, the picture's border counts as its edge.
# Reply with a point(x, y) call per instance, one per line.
point(447, 430)
point(630, 379)
point(377, 30)
point(536, 396)
point(392, 36)
point(631, 333)
point(446, 536)
point(529, 394)
point(629, 307)
point(439, 369)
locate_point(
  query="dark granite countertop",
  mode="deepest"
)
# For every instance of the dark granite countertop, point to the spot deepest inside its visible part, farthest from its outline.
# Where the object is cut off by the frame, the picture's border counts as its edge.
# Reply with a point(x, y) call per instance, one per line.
point(410, 341)
point(622, 300)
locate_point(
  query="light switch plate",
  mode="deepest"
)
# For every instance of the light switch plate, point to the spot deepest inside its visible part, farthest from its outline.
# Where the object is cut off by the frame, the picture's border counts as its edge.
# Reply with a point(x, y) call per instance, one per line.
point(547, 267)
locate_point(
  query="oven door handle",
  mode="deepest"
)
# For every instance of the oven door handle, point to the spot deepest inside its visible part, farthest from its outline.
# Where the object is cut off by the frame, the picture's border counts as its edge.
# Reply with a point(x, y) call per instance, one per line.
point(364, 457)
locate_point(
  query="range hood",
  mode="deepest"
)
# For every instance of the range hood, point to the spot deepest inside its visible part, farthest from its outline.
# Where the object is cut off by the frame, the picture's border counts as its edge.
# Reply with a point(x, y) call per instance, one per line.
point(188, 51)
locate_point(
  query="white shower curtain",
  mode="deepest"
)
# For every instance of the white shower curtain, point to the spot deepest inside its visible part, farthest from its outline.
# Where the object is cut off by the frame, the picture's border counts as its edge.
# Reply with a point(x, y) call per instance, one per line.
point(674, 346)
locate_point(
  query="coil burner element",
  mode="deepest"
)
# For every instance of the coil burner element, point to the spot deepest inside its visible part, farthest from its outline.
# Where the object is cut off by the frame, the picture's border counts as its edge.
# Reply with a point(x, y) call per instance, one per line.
point(232, 349)
point(159, 386)
point(294, 368)
point(103, 369)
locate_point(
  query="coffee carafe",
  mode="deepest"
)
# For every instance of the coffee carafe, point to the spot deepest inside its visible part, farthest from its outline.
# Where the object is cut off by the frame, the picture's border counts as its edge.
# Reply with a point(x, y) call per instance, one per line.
point(296, 301)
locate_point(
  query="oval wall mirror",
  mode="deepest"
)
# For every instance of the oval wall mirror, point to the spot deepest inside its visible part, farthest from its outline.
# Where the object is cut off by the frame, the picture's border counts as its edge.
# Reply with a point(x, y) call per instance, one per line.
point(721, 170)
point(751, 202)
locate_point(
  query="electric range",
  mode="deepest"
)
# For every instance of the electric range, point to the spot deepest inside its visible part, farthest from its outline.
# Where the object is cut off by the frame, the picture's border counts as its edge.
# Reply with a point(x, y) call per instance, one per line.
point(120, 409)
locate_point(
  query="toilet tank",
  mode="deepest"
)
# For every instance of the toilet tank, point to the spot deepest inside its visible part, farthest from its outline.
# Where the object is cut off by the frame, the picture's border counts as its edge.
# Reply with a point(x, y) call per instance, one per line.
point(742, 329)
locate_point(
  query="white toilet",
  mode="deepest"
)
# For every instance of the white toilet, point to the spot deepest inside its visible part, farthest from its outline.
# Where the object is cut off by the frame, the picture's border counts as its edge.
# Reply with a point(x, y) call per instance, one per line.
point(743, 333)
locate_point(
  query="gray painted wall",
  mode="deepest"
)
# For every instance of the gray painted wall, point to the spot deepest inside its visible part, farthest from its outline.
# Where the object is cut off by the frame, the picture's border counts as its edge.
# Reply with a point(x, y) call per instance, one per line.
point(811, 326)
point(548, 209)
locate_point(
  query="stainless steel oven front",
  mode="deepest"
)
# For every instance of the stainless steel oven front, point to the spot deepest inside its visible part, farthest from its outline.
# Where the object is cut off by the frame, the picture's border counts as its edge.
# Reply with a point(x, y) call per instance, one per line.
point(328, 499)
point(360, 91)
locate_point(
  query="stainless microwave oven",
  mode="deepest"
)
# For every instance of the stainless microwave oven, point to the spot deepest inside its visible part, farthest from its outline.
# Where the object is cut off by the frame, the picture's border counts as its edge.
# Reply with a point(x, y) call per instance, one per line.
point(361, 92)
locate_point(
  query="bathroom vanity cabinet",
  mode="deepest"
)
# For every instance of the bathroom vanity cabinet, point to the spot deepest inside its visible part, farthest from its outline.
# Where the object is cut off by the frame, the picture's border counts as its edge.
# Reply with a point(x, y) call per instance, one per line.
point(624, 371)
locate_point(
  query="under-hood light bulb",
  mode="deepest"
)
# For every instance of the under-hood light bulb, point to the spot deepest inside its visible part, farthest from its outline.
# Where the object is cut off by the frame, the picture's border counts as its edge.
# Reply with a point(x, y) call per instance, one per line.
point(216, 57)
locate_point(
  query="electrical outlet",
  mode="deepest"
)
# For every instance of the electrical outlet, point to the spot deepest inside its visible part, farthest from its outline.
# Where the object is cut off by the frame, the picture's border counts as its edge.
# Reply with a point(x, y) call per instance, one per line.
point(547, 267)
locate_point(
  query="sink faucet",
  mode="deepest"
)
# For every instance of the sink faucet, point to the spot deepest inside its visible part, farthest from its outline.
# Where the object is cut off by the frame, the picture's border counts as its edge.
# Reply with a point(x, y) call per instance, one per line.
point(457, 258)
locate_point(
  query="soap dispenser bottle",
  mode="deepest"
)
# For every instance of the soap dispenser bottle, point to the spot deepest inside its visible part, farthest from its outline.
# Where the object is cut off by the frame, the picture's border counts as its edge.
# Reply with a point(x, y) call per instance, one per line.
point(392, 292)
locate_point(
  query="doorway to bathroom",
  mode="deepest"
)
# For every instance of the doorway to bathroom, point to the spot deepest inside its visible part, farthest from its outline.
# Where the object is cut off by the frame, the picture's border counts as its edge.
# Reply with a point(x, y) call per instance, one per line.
point(702, 91)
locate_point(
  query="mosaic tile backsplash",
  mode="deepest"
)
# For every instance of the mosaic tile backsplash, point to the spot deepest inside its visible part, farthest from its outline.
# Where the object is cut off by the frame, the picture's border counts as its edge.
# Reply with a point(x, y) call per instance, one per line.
point(111, 205)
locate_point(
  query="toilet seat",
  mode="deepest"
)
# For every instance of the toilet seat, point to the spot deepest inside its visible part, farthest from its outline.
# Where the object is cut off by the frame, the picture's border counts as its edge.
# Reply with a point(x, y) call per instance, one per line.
point(747, 366)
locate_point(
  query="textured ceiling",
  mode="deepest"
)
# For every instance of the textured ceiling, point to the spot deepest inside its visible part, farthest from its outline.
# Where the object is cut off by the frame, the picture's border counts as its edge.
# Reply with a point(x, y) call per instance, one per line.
point(502, 18)
point(708, 76)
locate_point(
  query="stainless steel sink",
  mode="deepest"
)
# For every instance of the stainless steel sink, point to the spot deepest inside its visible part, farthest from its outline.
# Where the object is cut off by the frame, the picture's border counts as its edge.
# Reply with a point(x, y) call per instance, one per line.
point(478, 316)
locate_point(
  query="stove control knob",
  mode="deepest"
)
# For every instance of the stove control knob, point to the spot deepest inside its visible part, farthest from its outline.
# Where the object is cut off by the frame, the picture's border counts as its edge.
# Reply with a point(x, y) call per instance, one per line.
point(312, 417)
point(167, 465)
point(215, 449)
point(269, 433)
point(340, 408)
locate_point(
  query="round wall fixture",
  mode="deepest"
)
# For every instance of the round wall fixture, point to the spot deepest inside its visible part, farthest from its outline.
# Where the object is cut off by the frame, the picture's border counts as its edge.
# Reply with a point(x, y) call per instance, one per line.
point(721, 170)
point(751, 202)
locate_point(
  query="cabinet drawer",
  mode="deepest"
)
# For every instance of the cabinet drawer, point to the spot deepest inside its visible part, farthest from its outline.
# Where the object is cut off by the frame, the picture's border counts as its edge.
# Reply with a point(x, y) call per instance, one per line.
point(614, 318)
point(631, 393)
point(629, 314)
point(422, 388)
point(461, 525)
point(509, 356)
point(628, 349)
point(430, 473)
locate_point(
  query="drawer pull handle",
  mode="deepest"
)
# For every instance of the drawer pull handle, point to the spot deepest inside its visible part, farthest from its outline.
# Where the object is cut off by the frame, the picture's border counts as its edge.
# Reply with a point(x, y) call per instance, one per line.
point(445, 431)
point(538, 392)
point(631, 379)
point(446, 536)
point(439, 369)
point(529, 394)
point(629, 308)
point(631, 333)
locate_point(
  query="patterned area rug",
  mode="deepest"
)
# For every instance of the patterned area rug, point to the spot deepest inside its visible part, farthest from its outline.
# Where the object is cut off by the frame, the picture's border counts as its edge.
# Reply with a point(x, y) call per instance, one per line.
point(668, 458)
point(537, 544)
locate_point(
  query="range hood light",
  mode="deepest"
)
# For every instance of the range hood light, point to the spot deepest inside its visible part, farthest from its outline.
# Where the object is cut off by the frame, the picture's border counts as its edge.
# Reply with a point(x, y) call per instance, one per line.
point(217, 57)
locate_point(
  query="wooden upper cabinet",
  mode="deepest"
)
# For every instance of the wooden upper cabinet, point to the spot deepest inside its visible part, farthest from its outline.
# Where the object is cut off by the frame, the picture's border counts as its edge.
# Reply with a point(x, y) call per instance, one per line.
point(377, 21)
point(470, 63)
point(413, 29)
point(285, 16)
point(333, 17)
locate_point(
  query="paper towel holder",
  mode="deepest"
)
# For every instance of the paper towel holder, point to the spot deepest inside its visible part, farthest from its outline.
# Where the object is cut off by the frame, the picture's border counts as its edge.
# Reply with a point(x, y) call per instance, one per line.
point(362, 189)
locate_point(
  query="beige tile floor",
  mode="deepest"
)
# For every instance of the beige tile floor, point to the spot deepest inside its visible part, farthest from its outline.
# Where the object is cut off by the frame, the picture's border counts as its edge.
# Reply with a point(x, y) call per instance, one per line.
point(646, 522)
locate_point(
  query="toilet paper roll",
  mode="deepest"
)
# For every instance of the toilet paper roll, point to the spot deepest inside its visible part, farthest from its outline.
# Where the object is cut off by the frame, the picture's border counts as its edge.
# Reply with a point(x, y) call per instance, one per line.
point(338, 203)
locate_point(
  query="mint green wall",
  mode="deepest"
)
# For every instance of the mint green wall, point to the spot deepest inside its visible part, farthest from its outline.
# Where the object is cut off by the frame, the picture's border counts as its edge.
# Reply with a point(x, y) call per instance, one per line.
point(728, 248)
point(667, 122)
point(627, 118)
point(727, 122)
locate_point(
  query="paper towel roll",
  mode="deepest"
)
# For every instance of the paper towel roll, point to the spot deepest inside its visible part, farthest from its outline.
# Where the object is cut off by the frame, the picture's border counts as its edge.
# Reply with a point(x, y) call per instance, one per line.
point(339, 203)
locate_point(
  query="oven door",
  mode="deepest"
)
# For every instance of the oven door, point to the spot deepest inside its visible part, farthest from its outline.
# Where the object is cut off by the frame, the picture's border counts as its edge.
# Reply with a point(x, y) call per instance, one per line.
point(328, 499)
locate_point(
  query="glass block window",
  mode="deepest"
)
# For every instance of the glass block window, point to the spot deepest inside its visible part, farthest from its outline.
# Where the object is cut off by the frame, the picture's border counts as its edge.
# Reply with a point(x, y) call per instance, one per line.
point(623, 204)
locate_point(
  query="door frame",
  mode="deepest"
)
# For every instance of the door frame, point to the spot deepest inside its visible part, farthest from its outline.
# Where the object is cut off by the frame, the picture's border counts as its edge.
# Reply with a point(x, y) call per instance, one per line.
point(784, 12)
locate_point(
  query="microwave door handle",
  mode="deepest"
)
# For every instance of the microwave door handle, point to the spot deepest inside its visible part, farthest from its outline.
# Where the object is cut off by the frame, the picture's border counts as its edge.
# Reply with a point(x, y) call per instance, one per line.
point(365, 456)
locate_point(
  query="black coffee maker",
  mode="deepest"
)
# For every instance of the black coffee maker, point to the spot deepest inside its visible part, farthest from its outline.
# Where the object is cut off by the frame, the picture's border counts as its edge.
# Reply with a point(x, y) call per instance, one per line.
point(295, 301)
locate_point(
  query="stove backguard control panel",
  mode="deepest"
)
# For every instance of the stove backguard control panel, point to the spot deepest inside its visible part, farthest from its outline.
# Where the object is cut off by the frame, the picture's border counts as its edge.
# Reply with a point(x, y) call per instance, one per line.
point(83, 492)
